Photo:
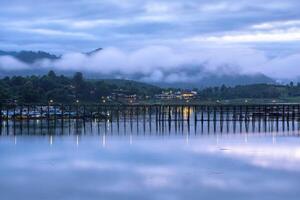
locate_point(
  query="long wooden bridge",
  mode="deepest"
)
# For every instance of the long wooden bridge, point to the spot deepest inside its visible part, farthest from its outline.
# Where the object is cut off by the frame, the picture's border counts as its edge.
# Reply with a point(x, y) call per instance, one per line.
point(159, 112)
point(160, 117)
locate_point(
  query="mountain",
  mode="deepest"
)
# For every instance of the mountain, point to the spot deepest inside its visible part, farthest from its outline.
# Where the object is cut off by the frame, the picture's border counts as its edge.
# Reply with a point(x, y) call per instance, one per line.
point(218, 80)
point(94, 51)
point(29, 57)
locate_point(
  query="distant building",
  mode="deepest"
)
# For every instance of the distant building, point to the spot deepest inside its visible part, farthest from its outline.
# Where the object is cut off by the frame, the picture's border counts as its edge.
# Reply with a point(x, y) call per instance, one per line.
point(189, 95)
point(166, 96)
point(181, 95)
point(123, 96)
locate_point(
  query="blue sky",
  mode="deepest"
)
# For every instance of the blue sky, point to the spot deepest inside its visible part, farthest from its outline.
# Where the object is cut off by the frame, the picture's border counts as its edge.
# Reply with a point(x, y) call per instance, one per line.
point(269, 29)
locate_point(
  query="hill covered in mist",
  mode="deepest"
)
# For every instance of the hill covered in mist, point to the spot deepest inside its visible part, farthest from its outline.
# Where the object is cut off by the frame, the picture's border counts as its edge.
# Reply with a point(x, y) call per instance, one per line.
point(142, 66)
point(29, 57)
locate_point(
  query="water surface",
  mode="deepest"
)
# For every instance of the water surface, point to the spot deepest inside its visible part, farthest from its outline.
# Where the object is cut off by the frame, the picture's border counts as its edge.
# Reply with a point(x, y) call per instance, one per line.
point(110, 161)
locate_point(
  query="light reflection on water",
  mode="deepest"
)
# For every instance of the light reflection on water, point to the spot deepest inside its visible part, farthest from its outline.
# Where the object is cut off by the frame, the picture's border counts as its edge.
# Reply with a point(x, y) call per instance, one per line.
point(132, 165)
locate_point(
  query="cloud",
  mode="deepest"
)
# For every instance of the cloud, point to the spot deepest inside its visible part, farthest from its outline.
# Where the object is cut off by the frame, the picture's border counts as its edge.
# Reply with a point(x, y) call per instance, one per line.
point(288, 35)
point(50, 32)
point(83, 25)
point(10, 64)
point(158, 40)
point(158, 7)
point(284, 67)
point(169, 64)
point(277, 24)
point(220, 7)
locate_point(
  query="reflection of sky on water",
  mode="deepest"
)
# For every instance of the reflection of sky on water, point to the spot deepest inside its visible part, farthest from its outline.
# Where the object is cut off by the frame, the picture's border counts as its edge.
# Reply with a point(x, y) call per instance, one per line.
point(132, 167)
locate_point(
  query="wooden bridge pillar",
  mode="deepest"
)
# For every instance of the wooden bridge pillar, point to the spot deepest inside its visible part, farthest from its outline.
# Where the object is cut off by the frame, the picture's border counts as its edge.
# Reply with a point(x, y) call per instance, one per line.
point(1, 115)
point(195, 114)
point(214, 113)
point(202, 114)
point(208, 114)
point(189, 113)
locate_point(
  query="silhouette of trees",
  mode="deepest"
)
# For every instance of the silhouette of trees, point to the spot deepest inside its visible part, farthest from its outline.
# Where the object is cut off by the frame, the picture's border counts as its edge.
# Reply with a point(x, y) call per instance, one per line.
point(33, 89)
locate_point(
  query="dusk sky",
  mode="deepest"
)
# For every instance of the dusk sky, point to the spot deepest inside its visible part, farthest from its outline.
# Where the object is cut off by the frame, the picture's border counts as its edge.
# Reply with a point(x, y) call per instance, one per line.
point(251, 35)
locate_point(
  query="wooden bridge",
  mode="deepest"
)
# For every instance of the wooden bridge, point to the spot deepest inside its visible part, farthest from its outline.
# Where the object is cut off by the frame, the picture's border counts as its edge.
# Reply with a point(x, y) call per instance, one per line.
point(161, 117)
point(159, 112)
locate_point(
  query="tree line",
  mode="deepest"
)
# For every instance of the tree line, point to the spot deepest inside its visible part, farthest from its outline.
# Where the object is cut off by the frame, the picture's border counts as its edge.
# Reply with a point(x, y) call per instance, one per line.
point(255, 91)
point(63, 89)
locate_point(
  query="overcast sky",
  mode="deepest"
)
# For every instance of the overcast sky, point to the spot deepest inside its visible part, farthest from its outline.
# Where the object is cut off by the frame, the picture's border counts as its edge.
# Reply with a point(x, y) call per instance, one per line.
point(268, 31)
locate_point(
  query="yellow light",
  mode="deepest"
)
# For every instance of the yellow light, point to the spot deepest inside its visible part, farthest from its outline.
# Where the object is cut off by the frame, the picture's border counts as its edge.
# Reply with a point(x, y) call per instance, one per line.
point(185, 112)
point(187, 95)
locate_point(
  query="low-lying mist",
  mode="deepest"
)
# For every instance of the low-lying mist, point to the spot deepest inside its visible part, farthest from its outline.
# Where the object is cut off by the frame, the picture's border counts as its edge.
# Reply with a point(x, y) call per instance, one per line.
point(166, 64)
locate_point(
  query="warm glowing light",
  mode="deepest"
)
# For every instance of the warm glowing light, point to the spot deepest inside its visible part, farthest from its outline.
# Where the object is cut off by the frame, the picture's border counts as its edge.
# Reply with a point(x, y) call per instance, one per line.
point(186, 112)
point(187, 95)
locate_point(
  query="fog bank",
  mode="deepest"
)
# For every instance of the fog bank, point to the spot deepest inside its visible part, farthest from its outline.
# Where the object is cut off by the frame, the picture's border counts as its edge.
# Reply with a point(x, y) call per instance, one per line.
point(167, 63)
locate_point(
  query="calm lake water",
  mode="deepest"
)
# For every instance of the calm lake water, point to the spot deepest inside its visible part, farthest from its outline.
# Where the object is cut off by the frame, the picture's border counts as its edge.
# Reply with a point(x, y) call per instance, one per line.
point(143, 161)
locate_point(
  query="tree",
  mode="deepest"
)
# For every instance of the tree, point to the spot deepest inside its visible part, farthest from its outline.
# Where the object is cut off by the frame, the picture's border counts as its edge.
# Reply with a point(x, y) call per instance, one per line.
point(51, 74)
point(78, 78)
point(29, 93)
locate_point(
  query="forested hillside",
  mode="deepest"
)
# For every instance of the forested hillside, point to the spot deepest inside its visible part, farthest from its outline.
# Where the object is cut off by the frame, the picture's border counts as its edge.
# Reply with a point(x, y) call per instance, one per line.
point(33, 89)
point(64, 89)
